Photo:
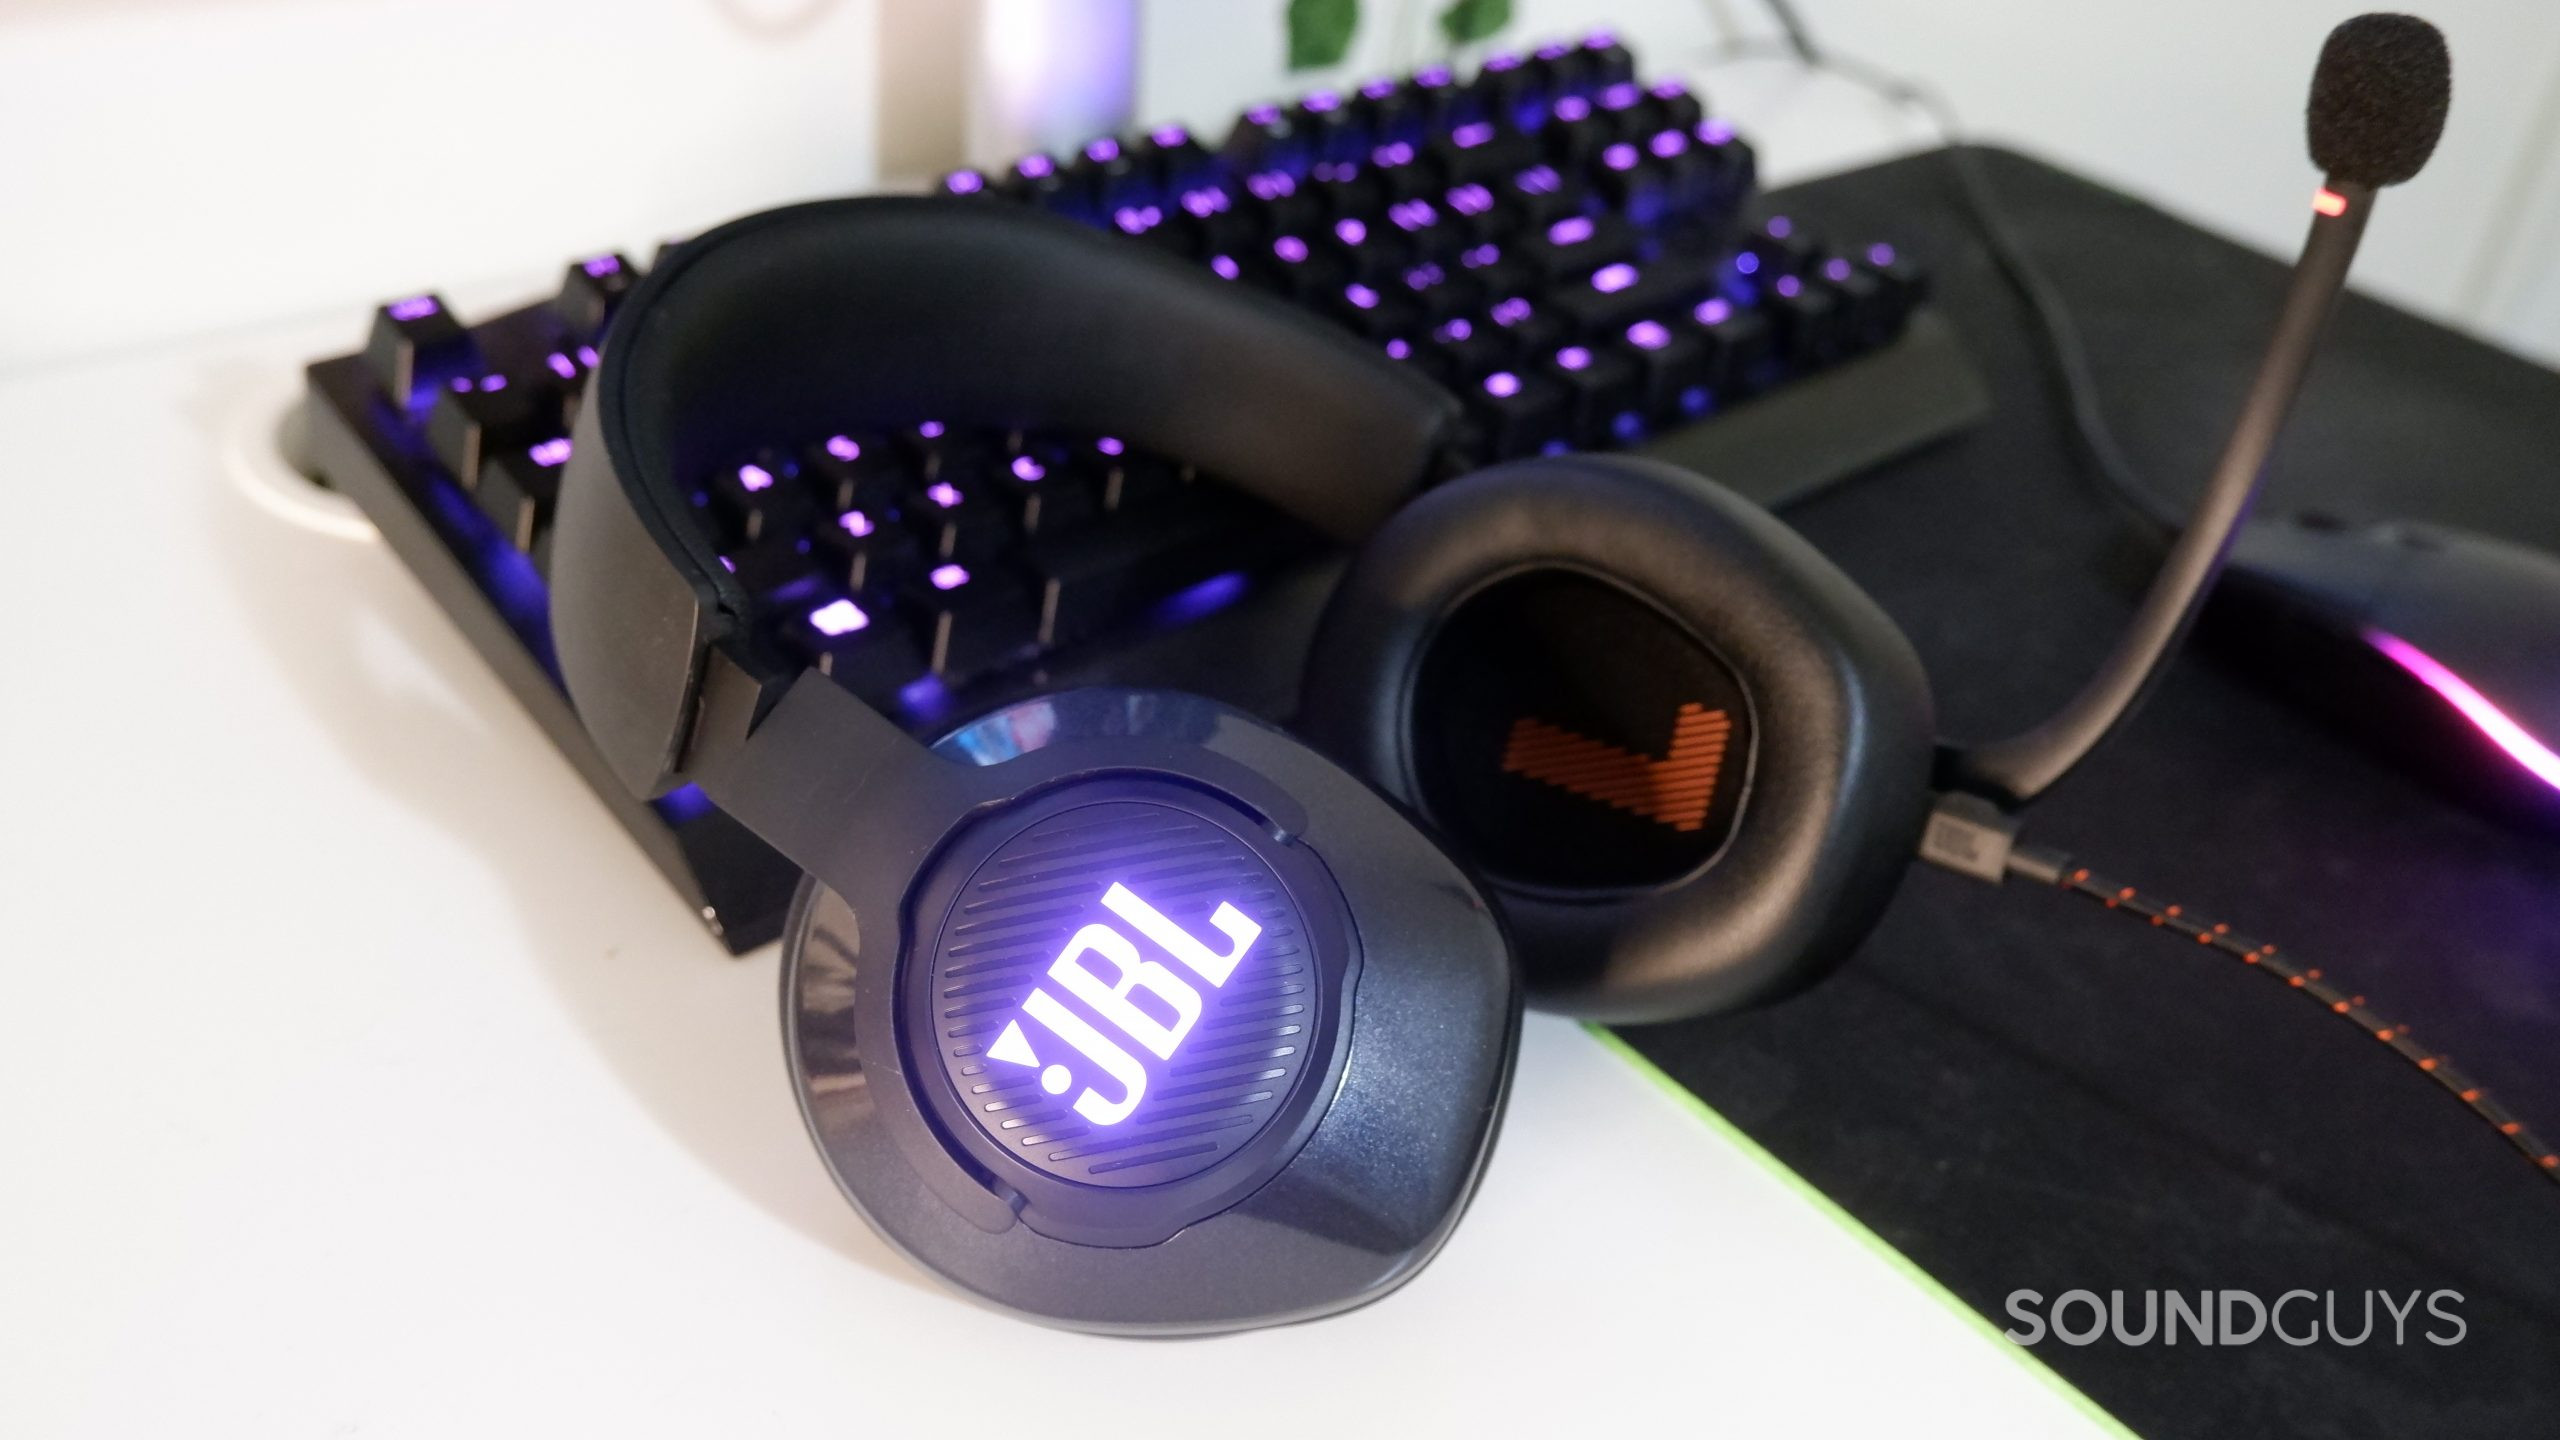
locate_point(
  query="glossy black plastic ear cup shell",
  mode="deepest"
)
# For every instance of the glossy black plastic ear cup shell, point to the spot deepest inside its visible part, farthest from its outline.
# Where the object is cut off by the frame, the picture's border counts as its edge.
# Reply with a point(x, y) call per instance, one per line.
point(1385, 1113)
point(1680, 666)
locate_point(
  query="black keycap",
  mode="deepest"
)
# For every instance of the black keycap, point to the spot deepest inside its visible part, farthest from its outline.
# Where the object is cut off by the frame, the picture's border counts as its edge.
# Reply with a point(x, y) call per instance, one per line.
point(1575, 245)
point(1132, 481)
point(1384, 108)
point(957, 519)
point(1175, 159)
point(1772, 250)
point(1479, 150)
point(1669, 104)
point(1867, 317)
point(1533, 330)
point(1671, 362)
point(1805, 315)
point(519, 489)
point(1520, 413)
point(1331, 130)
point(416, 344)
point(1619, 110)
point(862, 551)
point(1034, 180)
point(1467, 348)
point(1539, 196)
point(1606, 62)
point(859, 645)
point(472, 420)
point(589, 291)
point(1274, 205)
point(1376, 312)
point(1091, 578)
point(1738, 345)
point(1263, 140)
point(845, 472)
point(1613, 297)
point(1558, 67)
point(1046, 492)
point(969, 620)
point(1574, 134)
point(1600, 384)
point(760, 499)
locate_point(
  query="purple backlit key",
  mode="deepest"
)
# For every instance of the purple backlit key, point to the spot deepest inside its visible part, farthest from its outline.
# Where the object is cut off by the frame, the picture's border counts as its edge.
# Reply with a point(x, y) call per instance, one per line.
point(589, 291)
point(416, 346)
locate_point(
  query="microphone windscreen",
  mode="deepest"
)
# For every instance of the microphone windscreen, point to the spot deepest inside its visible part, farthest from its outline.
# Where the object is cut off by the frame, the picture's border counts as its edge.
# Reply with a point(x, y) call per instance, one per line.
point(2378, 99)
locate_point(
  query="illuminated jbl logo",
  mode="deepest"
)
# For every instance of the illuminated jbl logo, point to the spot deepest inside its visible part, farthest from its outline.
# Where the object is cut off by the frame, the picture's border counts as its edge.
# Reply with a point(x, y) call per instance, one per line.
point(1145, 1001)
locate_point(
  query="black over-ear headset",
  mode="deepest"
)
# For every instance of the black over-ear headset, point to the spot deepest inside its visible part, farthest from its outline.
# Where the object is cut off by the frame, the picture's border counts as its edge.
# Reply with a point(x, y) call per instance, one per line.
point(1123, 1009)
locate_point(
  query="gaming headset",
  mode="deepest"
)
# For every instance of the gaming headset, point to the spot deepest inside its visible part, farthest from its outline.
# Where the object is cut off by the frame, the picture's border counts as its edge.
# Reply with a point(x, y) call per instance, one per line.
point(1125, 1010)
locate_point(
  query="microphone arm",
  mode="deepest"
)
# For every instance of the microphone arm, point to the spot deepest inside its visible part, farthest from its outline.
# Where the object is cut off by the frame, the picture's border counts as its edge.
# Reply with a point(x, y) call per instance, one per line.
point(2016, 770)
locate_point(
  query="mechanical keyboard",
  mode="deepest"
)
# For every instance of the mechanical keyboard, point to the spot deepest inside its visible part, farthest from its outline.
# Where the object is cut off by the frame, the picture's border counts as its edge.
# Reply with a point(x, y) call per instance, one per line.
point(1571, 252)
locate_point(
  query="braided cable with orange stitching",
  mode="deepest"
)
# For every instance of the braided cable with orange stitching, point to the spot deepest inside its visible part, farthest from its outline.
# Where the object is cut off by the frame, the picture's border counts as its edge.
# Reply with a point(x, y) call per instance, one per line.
point(2055, 869)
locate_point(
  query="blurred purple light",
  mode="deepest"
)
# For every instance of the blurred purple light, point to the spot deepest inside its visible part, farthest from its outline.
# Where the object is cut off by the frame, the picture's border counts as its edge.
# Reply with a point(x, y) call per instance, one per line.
point(1835, 269)
point(1026, 469)
point(1715, 132)
point(1393, 153)
point(1502, 384)
point(1540, 180)
point(1648, 335)
point(1714, 312)
point(1571, 108)
point(561, 365)
point(1322, 101)
point(1574, 357)
point(1621, 96)
point(755, 477)
point(1510, 312)
point(1350, 231)
point(1879, 254)
point(855, 523)
point(1668, 143)
point(1035, 167)
point(1790, 286)
point(1571, 230)
point(416, 307)
point(1225, 266)
point(1102, 151)
point(948, 577)
point(838, 617)
point(1361, 295)
point(930, 429)
point(1471, 199)
point(550, 453)
point(944, 494)
point(1109, 445)
point(1610, 279)
point(1472, 134)
point(1780, 227)
point(1290, 248)
point(844, 447)
point(1620, 156)
point(1746, 263)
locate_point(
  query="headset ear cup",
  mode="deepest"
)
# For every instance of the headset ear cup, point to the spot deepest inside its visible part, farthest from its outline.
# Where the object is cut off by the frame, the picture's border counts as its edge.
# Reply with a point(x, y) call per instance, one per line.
point(1687, 753)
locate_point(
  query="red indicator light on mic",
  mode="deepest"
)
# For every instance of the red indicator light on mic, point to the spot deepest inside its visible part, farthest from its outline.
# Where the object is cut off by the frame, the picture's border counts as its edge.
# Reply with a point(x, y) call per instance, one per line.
point(2329, 202)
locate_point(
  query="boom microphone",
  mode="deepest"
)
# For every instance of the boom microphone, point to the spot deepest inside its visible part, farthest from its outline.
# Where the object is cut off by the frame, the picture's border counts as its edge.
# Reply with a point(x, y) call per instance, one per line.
point(2378, 102)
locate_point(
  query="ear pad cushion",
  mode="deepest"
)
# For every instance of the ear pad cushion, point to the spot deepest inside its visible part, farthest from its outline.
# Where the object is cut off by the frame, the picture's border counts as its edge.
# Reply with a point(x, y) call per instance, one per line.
point(1689, 755)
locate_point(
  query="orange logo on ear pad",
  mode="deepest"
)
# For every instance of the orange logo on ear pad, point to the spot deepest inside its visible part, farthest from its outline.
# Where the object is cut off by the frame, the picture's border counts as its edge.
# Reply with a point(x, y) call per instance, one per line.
point(1674, 790)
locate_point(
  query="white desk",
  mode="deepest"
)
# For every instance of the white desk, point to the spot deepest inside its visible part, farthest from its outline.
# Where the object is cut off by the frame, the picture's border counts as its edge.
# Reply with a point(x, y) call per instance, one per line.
point(357, 1076)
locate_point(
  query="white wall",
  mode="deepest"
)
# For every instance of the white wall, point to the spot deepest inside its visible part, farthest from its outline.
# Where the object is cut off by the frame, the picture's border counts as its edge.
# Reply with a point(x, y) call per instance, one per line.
point(2193, 104)
point(170, 167)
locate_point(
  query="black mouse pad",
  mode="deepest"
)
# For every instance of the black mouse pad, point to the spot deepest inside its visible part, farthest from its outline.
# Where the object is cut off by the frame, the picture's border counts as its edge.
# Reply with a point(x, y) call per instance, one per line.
point(2023, 1091)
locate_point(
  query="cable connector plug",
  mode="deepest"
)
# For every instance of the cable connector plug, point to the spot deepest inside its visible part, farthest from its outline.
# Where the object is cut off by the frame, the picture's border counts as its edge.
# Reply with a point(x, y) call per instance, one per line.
point(1969, 835)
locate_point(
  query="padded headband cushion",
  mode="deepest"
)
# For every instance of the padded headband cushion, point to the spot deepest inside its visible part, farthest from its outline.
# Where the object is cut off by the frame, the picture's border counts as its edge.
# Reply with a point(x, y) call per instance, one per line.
point(1586, 598)
point(886, 311)
point(881, 313)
